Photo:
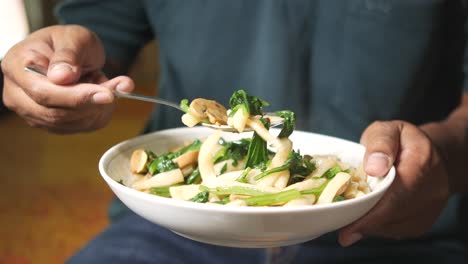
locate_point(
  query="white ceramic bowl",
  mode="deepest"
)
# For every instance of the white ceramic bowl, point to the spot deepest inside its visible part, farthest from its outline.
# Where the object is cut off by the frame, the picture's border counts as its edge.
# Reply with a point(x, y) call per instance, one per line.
point(250, 227)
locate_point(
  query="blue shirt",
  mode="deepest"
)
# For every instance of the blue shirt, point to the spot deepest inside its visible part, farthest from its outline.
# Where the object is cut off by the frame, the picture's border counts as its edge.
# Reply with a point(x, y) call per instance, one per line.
point(340, 65)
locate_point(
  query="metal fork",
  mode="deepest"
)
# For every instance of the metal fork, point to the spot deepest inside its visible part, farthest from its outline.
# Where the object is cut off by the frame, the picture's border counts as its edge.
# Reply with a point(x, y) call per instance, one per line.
point(275, 122)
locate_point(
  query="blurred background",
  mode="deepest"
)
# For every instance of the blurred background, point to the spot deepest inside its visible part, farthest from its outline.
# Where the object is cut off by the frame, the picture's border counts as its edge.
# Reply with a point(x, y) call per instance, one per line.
point(52, 198)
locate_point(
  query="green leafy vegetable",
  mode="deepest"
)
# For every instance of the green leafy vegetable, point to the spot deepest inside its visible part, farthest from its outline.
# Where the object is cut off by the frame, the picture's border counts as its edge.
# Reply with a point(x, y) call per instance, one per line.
point(243, 176)
point(225, 200)
point(223, 169)
point(161, 191)
point(151, 155)
point(295, 163)
point(184, 105)
point(201, 197)
point(194, 177)
point(316, 191)
point(251, 105)
point(257, 155)
point(165, 162)
point(274, 198)
point(235, 150)
point(330, 173)
point(121, 182)
point(288, 123)
point(240, 190)
point(161, 164)
point(339, 198)
point(195, 145)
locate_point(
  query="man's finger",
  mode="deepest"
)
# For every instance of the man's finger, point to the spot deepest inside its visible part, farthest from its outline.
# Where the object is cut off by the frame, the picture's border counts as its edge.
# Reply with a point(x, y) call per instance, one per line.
point(382, 141)
point(47, 94)
point(121, 84)
point(76, 52)
point(57, 120)
point(376, 218)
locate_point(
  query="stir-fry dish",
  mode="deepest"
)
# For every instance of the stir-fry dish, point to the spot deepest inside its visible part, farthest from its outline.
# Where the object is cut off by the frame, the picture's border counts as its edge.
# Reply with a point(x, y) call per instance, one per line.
point(261, 170)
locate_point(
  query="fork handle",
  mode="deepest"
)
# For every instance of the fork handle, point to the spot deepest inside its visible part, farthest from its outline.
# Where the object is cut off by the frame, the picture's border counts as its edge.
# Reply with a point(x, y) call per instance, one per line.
point(146, 99)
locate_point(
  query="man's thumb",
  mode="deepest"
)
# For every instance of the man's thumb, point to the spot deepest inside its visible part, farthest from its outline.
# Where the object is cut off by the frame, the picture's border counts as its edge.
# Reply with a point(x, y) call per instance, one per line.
point(64, 66)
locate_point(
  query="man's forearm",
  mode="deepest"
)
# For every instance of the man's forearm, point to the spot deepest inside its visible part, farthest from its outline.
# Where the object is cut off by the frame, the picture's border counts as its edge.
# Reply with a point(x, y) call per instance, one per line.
point(451, 137)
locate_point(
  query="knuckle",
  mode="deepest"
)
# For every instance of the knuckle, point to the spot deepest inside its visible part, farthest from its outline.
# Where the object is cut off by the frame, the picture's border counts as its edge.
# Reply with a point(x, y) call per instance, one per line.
point(55, 116)
point(101, 121)
point(95, 124)
point(423, 152)
point(81, 99)
point(33, 123)
point(37, 94)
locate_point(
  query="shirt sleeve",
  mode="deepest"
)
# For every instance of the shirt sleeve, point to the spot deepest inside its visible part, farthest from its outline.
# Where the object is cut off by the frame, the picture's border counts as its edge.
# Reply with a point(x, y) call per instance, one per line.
point(122, 25)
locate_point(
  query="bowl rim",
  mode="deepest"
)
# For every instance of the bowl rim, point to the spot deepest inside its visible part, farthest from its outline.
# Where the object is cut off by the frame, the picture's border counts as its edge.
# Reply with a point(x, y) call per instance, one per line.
point(112, 152)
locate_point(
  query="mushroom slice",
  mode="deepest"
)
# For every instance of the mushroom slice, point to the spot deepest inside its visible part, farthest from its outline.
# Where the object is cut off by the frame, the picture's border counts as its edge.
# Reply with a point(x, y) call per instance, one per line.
point(333, 187)
point(187, 158)
point(215, 112)
point(138, 161)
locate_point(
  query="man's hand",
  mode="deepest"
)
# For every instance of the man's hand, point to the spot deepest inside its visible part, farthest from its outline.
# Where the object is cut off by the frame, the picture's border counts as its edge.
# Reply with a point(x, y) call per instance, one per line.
point(76, 96)
point(419, 192)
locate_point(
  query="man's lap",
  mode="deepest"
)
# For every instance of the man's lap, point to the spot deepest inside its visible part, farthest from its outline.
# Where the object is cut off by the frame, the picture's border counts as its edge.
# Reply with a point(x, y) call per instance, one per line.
point(132, 239)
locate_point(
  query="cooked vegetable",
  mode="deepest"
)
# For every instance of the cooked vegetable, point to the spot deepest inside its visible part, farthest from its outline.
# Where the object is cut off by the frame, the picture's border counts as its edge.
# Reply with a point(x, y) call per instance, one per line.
point(296, 165)
point(257, 155)
point(168, 161)
point(184, 192)
point(184, 105)
point(243, 176)
point(339, 198)
point(159, 180)
point(307, 184)
point(161, 191)
point(316, 191)
point(202, 197)
point(273, 199)
point(235, 150)
point(138, 161)
point(249, 104)
point(225, 200)
point(203, 110)
point(330, 173)
point(333, 187)
point(288, 124)
point(242, 107)
point(195, 145)
point(303, 200)
point(240, 190)
point(187, 158)
point(194, 177)
point(162, 163)
point(262, 170)
point(205, 158)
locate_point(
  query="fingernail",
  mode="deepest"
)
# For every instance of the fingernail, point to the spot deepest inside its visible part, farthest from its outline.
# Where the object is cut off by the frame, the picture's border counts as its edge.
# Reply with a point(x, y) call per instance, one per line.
point(62, 68)
point(102, 98)
point(122, 87)
point(352, 238)
point(377, 164)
